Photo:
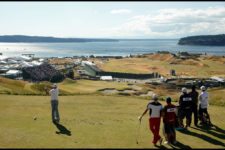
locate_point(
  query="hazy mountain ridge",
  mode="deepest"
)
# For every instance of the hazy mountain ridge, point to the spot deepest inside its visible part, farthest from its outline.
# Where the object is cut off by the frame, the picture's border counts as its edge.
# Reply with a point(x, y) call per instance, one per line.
point(33, 39)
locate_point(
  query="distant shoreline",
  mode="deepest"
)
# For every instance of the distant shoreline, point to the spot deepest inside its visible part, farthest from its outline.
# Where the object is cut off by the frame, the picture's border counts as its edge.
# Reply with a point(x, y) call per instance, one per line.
point(43, 39)
point(49, 39)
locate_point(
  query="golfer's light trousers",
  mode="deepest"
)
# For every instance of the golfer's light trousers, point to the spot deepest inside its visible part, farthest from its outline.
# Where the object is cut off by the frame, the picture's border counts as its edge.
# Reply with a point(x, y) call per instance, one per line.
point(55, 112)
point(154, 124)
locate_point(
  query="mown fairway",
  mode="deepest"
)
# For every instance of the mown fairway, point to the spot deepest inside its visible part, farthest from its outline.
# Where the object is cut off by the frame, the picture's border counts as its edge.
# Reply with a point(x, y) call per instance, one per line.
point(163, 63)
point(93, 121)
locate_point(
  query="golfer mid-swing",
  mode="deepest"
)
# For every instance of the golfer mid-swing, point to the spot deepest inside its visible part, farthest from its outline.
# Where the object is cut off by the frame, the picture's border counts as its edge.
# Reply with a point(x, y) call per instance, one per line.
point(155, 112)
point(54, 103)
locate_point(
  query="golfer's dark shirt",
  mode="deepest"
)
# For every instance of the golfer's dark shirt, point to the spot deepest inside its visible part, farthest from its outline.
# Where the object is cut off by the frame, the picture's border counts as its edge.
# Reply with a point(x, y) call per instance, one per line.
point(194, 96)
point(185, 101)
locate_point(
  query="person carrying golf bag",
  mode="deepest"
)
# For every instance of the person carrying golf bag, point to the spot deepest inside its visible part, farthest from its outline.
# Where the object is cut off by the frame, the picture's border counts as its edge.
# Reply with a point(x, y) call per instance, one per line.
point(54, 103)
point(169, 120)
point(194, 95)
point(185, 105)
point(203, 105)
point(155, 112)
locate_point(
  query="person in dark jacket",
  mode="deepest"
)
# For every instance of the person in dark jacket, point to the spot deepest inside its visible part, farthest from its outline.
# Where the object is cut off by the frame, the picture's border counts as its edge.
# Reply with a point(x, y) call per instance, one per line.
point(185, 104)
point(194, 95)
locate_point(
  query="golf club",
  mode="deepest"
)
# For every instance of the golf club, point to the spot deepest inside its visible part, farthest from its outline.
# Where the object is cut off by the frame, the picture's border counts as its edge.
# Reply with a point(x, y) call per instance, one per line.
point(138, 132)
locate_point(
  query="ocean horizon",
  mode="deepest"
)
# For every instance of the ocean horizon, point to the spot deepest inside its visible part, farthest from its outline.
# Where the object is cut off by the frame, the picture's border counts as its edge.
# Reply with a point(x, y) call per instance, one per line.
point(123, 47)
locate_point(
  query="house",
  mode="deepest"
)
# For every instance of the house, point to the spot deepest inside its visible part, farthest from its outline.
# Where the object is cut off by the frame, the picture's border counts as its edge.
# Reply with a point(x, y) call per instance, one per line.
point(90, 68)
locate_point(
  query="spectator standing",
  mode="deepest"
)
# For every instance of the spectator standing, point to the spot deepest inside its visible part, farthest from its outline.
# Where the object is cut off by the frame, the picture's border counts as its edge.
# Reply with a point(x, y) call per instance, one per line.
point(194, 95)
point(185, 104)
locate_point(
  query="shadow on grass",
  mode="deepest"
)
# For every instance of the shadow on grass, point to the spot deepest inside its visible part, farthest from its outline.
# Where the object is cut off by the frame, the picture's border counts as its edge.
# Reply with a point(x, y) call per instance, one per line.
point(62, 129)
point(210, 130)
point(218, 129)
point(204, 137)
point(176, 146)
point(161, 147)
point(180, 145)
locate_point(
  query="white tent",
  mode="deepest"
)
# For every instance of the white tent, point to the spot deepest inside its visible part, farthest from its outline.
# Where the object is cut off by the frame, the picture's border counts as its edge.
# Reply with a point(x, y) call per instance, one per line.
point(25, 58)
point(218, 79)
point(11, 61)
point(13, 72)
point(87, 62)
point(108, 78)
point(36, 63)
point(3, 62)
point(6, 67)
point(41, 60)
point(3, 57)
point(26, 64)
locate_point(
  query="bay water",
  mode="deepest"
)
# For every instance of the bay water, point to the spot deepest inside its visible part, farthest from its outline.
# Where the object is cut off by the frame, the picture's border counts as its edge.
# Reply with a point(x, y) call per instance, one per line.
point(120, 48)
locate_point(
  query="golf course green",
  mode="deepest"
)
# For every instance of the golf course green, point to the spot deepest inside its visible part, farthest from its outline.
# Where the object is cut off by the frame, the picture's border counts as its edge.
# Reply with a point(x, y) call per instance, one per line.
point(93, 121)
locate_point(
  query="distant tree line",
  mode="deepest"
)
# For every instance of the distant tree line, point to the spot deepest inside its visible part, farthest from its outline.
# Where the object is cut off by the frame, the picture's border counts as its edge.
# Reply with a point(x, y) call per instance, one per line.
point(29, 39)
point(210, 40)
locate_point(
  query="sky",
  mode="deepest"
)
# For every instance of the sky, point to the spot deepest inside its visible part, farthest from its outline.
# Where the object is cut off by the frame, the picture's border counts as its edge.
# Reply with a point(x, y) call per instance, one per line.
point(152, 20)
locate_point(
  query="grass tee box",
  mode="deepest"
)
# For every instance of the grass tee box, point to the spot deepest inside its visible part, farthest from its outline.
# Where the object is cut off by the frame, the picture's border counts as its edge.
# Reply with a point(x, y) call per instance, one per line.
point(94, 121)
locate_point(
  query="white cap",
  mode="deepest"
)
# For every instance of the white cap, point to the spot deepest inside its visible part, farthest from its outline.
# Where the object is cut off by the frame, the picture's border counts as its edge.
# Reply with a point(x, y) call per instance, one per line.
point(184, 90)
point(54, 85)
point(203, 88)
point(154, 96)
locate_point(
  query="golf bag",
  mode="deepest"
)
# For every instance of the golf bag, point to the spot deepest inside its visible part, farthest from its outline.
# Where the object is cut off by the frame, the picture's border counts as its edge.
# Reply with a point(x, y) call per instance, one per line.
point(177, 125)
point(204, 117)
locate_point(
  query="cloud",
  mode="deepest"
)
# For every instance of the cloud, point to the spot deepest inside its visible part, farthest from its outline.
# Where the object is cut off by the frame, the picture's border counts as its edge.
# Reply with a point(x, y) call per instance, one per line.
point(120, 11)
point(173, 23)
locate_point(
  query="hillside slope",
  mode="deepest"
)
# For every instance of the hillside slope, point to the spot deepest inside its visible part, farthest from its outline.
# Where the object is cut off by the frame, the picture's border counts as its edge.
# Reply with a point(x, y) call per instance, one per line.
point(210, 40)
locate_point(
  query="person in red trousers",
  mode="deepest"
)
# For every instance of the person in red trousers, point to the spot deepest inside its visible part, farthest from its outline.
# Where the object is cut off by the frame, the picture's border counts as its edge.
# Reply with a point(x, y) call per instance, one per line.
point(155, 113)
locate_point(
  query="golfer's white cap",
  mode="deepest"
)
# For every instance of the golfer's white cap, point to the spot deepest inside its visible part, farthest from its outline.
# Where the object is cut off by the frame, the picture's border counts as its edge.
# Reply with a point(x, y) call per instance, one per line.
point(55, 85)
point(154, 96)
point(203, 88)
point(184, 90)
